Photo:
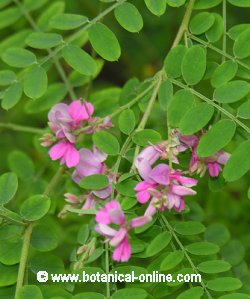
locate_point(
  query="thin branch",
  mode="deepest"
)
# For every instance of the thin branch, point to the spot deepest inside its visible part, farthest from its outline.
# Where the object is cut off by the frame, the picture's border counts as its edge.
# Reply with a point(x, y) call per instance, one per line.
point(184, 24)
point(224, 16)
point(20, 128)
point(178, 241)
point(49, 51)
point(211, 102)
point(206, 44)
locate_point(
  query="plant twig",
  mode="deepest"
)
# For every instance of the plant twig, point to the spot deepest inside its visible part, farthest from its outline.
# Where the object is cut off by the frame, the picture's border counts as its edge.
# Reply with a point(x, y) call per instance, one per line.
point(21, 128)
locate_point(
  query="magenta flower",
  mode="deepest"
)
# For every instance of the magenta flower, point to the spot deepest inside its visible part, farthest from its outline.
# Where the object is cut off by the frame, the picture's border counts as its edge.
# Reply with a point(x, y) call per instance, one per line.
point(65, 151)
point(200, 165)
point(166, 187)
point(65, 119)
point(112, 214)
point(92, 162)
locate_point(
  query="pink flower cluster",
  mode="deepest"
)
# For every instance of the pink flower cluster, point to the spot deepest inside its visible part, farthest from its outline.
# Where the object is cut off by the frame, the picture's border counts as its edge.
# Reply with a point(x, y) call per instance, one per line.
point(112, 214)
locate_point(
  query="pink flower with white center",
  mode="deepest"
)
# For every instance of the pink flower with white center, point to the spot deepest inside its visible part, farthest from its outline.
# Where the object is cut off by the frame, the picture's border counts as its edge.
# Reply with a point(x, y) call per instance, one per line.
point(65, 151)
point(166, 187)
point(92, 162)
point(112, 214)
point(65, 119)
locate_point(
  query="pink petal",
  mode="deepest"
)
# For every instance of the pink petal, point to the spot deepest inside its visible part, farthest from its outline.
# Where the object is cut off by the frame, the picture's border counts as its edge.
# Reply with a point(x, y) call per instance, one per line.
point(213, 169)
point(160, 174)
point(122, 252)
point(143, 196)
point(140, 221)
point(58, 150)
point(103, 193)
point(105, 230)
point(182, 190)
point(223, 157)
point(151, 210)
point(116, 216)
point(101, 156)
point(72, 156)
point(119, 236)
point(102, 216)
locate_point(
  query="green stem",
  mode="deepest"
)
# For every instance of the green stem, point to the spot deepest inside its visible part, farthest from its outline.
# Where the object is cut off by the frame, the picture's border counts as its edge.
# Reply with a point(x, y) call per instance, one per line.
point(20, 128)
point(224, 15)
point(107, 270)
point(119, 110)
point(211, 102)
point(27, 235)
point(24, 256)
point(171, 230)
point(184, 24)
point(206, 44)
point(49, 51)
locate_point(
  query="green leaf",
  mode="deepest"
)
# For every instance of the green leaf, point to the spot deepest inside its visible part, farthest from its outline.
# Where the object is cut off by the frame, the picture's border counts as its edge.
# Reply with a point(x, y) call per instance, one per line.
point(4, 3)
point(201, 22)
point(54, 9)
point(194, 65)
point(54, 94)
point(158, 243)
point(182, 101)
point(233, 252)
point(8, 187)
point(33, 5)
point(202, 248)
point(204, 4)
point(216, 184)
point(104, 42)
point(244, 110)
point(241, 46)
point(240, 3)
point(212, 267)
point(224, 73)
point(224, 284)
point(194, 293)
point(35, 207)
point(196, 118)
point(106, 143)
point(79, 60)
point(176, 3)
point(157, 8)
point(83, 234)
point(94, 182)
point(12, 96)
point(216, 31)
point(66, 21)
point(172, 260)
point(128, 202)
point(95, 255)
point(236, 30)
point(216, 138)
point(7, 77)
point(10, 251)
point(127, 187)
point(41, 40)
point(189, 228)
point(128, 16)
point(35, 82)
point(173, 61)
point(30, 291)
point(9, 16)
point(18, 57)
point(146, 136)
point(239, 163)
point(8, 275)
point(235, 296)
point(127, 121)
point(232, 91)
point(128, 91)
point(46, 262)
point(89, 295)
point(44, 238)
point(134, 293)
point(165, 94)
point(217, 233)
point(21, 164)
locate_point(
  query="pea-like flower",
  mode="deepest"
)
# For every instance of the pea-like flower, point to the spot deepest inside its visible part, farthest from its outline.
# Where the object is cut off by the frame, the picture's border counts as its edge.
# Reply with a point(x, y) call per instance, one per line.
point(113, 225)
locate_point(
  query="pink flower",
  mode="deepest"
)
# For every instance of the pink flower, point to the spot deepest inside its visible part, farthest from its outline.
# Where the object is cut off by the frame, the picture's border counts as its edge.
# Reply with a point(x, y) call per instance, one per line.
point(214, 162)
point(65, 151)
point(65, 119)
point(92, 162)
point(168, 190)
point(112, 214)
